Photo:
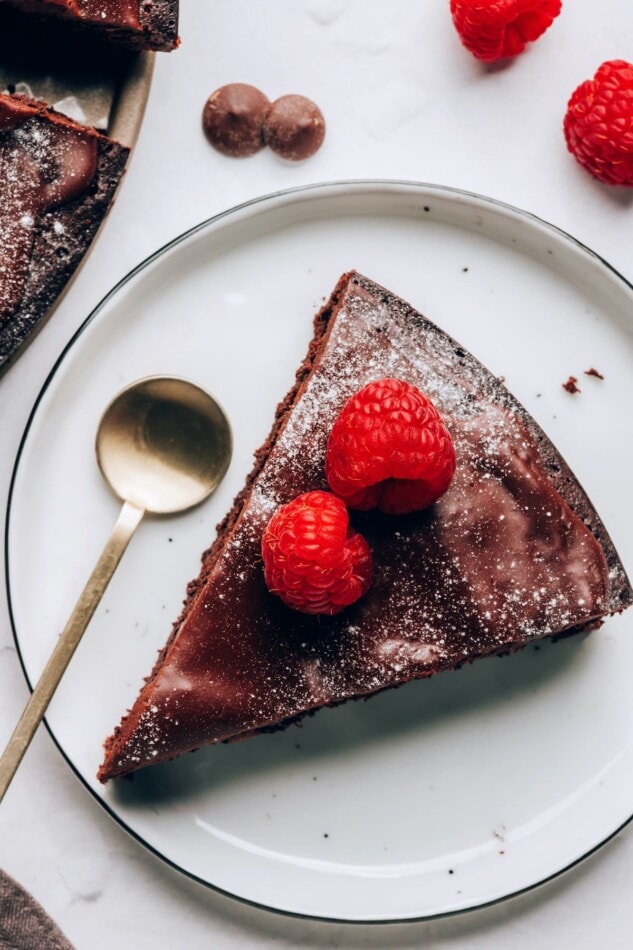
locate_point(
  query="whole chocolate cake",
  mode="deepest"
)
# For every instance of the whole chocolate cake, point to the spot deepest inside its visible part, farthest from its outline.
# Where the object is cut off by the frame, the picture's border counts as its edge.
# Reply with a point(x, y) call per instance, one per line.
point(513, 552)
point(137, 24)
point(58, 179)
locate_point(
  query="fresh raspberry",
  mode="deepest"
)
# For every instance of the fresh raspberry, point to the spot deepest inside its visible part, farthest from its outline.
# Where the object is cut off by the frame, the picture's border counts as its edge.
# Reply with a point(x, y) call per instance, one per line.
point(313, 560)
point(496, 29)
point(389, 449)
point(598, 124)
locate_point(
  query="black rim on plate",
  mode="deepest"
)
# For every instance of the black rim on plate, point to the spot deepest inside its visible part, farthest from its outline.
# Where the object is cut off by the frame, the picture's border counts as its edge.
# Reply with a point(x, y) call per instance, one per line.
point(345, 185)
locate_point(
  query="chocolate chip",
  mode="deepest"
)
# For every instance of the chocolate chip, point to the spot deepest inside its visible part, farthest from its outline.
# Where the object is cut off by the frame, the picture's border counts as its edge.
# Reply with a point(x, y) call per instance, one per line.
point(233, 119)
point(294, 127)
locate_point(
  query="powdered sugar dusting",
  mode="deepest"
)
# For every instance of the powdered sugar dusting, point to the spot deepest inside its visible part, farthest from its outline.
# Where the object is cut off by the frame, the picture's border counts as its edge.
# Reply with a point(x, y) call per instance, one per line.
point(113, 12)
point(41, 166)
point(46, 166)
point(500, 505)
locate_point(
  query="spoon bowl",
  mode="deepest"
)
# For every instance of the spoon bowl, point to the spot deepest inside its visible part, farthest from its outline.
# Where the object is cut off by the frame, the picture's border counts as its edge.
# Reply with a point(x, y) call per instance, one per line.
point(163, 444)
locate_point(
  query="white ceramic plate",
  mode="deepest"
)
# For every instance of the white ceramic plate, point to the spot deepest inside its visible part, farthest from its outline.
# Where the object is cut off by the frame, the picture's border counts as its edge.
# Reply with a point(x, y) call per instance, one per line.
point(443, 795)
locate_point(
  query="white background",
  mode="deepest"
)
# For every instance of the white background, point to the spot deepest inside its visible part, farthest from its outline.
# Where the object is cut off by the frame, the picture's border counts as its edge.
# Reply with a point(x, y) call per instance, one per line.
point(402, 99)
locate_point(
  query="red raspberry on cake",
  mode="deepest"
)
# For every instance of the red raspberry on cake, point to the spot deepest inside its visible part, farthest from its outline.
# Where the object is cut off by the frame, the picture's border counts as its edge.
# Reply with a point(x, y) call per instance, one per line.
point(598, 125)
point(497, 29)
point(313, 560)
point(389, 449)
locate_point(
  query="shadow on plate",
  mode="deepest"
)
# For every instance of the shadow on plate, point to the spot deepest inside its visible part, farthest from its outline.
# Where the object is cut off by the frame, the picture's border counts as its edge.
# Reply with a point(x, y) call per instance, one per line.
point(410, 711)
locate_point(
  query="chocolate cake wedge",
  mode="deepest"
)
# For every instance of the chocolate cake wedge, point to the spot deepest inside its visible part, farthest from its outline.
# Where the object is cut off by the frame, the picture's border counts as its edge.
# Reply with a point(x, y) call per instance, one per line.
point(57, 181)
point(135, 24)
point(513, 552)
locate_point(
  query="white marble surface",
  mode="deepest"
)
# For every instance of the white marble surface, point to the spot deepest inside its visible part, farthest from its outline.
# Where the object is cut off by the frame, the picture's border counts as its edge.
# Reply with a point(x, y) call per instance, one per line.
point(402, 100)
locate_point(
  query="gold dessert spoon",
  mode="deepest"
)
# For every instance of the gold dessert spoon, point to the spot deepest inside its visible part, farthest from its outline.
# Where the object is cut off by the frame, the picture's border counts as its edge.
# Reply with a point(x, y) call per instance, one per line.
point(163, 445)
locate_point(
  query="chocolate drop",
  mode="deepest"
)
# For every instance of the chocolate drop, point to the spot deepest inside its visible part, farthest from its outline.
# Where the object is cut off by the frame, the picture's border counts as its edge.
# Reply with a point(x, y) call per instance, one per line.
point(294, 127)
point(233, 119)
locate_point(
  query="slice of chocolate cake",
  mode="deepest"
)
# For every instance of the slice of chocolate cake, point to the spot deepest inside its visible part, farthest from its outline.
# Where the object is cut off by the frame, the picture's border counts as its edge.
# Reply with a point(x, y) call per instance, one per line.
point(514, 551)
point(136, 24)
point(57, 180)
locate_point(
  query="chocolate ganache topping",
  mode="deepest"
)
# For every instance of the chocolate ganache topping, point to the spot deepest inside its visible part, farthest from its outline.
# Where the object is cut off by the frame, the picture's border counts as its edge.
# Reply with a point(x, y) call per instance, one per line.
point(82, 27)
point(512, 552)
point(42, 166)
point(118, 12)
point(109, 12)
point(57, 181)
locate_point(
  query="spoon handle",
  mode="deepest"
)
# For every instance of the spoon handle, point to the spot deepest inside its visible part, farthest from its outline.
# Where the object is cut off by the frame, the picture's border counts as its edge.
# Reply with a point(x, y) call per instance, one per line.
point(125, 526)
